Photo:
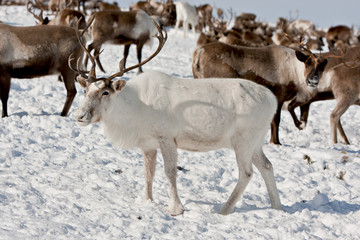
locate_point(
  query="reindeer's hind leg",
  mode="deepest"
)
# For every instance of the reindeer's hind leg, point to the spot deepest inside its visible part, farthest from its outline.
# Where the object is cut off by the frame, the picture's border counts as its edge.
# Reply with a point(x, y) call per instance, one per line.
point(5, 82)
point(243, 154)
point(149, 164)
point(341, 107)
point(265, 168)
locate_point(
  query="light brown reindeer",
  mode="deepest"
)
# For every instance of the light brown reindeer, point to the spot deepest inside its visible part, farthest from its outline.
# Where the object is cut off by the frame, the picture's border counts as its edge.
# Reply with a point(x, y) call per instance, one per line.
point(340, 80)
point(340, 34)
point(28, 52)
point(122, 28)
point(65, 17)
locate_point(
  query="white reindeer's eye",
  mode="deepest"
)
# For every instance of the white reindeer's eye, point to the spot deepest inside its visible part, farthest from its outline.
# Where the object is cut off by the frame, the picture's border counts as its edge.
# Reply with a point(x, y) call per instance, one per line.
point(105, 93)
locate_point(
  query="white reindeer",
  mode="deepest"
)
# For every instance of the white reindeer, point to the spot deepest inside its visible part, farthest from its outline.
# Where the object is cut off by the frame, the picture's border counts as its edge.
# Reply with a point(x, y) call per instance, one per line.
point(155, 110)
point(186, 13)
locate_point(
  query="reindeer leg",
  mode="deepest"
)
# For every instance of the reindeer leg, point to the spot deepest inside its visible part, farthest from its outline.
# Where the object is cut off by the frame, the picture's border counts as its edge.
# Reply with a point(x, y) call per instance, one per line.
point(341, 107)
point(342, 133)
point(126, 53)
point(5, 82)
point(243, 154)
point(265, 168)
point(274, 139)
point(139, 47)
point(304, 113)
point(169, 151)
point(69, 81)
point(291, 108)
point(149, 164)
point(97, 59)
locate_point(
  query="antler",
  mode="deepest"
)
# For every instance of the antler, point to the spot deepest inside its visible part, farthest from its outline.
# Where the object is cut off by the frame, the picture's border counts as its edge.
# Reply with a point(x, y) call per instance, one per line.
point(91, 77)
point(30, 8)
point(162, 39)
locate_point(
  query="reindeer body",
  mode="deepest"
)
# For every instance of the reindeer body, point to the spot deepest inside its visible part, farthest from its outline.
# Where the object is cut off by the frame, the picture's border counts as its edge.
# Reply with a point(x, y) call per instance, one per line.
point(123, 28)
point(155, 110)
point(186, 13)
point(26, 53)
point(275, 67)
point(338, 81)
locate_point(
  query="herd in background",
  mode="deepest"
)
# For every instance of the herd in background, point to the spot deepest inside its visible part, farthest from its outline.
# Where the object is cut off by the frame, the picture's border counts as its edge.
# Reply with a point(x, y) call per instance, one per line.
point(112, 24)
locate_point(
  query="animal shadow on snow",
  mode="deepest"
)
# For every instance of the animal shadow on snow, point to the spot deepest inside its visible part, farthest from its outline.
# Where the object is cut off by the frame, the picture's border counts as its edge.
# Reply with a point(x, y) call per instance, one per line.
point(321, 203)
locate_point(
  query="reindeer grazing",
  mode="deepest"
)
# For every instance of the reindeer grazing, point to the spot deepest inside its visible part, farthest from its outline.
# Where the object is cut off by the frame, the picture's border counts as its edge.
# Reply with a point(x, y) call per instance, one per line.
point(186, 13)
point(26, 53)
point(275, 67)
point(155, 110)
point(132, 27)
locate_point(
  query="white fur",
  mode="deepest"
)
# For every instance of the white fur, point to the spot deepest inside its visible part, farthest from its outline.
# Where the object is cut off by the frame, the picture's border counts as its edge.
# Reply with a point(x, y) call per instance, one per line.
point(143, 24)
point(186, 13)
point(155, 110)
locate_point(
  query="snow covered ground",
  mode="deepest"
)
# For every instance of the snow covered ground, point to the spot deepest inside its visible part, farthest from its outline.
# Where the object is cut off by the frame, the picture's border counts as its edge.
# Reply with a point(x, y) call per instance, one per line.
point(62, 181)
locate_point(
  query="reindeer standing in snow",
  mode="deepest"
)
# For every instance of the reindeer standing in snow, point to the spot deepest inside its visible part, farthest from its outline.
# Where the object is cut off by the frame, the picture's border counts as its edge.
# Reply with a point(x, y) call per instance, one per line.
point(155, 110)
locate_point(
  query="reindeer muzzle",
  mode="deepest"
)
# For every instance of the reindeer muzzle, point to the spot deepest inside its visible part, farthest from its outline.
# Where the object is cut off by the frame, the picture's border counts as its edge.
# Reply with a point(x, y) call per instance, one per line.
point(313, 82)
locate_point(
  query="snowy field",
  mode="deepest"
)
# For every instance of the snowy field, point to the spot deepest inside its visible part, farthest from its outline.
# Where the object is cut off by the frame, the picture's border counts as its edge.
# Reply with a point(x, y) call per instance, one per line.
point(62, 181)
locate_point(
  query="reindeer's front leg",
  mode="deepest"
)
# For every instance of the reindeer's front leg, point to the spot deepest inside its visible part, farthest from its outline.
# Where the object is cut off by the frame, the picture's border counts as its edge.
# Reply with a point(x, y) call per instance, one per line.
point(149, 164)
point(169, 151)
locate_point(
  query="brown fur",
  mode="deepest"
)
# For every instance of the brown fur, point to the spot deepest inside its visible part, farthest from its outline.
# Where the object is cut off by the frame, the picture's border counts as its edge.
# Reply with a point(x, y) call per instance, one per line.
point(40, 56)
point(336, 34)
point(264, 65)
point(344, 88)
point(103, 31)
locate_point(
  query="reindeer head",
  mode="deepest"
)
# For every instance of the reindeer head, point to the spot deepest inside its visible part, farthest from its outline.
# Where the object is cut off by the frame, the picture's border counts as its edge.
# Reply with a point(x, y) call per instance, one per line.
point(98, 91)
point(314, 67)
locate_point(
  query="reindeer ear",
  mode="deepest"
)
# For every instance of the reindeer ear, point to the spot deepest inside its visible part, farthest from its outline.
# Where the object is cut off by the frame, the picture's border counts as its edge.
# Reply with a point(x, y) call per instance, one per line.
point(301, 57)
point(118, 85)
point(81, 80)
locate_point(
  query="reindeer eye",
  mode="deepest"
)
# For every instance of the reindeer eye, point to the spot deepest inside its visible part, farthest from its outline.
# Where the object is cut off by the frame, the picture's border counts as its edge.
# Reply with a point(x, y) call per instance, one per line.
point(105, 93)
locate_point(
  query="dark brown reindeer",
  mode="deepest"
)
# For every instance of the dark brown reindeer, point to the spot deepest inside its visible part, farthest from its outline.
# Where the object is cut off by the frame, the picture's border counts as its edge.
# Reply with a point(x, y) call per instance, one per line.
point(28, 52)
point(122, 28)
point(275, 67)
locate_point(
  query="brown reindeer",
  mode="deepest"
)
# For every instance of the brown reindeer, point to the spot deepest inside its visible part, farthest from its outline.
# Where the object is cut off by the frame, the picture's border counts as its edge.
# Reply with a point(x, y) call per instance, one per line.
point(204, 15)
point(28, 52)
point(105, 6)
point(338, 34)
point(340, 81)
point(275, 67)
point(65, 17)
point(123, 28)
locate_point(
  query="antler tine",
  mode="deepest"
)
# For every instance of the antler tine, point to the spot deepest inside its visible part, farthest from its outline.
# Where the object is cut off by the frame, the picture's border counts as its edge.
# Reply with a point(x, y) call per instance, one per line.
point(92, 76)
point(162, 39)
point(77, 70)
point(30, 6)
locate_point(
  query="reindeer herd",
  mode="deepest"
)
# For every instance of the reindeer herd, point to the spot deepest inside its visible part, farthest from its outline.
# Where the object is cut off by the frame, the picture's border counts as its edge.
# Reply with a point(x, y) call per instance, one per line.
point(242, 77)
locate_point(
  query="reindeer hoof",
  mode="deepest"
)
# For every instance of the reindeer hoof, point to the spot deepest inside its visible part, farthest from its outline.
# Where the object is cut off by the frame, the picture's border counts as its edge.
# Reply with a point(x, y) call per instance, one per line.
point(302, 125)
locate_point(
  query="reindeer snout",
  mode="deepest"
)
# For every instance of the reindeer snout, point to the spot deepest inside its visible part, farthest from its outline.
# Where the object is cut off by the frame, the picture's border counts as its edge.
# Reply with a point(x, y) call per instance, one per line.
point(313, 81)
point(81, 117)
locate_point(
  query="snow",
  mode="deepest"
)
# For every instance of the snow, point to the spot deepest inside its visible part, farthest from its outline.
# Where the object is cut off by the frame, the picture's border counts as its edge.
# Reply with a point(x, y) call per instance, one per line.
point(62, 181)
